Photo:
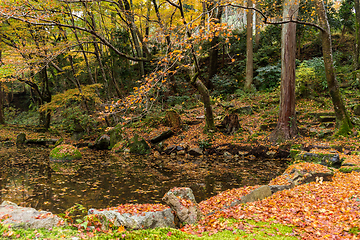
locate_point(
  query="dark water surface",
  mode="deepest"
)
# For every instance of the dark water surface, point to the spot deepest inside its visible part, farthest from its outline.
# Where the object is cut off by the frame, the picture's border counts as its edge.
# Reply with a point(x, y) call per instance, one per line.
point(102, 179)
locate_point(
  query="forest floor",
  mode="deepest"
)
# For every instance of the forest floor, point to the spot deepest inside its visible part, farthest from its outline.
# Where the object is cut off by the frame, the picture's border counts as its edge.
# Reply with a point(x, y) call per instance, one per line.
point(320, 210)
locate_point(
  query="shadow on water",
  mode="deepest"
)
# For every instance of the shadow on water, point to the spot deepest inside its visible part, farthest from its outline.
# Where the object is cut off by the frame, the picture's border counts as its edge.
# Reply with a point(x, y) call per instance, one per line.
point(102, 179)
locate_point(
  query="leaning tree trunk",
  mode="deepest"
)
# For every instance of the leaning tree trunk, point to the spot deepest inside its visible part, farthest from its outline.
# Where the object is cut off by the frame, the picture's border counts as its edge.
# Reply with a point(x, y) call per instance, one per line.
point(286, 127)
point(249, 47)
point(205, 95)
point(45, 96)
point(343, 123)
point(209, 117)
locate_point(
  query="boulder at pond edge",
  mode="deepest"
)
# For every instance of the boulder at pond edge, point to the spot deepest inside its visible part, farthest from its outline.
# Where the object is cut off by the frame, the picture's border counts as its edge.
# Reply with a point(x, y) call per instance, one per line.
point(65, 153)
point(144, 220)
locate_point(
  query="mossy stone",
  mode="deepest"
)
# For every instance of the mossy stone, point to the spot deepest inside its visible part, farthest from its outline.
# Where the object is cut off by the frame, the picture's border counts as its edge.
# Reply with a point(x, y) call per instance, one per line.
point(116, 135)
point(138, 145)
point(65, 153)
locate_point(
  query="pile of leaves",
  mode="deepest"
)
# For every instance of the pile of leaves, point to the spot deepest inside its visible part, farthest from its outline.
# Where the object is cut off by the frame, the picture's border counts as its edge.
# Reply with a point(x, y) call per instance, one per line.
point(326, 210)
point(224, 199)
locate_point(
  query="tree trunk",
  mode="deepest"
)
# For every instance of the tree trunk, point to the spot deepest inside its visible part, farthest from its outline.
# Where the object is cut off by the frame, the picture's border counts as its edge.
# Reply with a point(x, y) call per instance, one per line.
point(249, 47)
point(286, 127)
point(357, 35)
point(343, 123)
point(209, 117)
point(45, 117)
point(214, 51)
point(1, 62)
point(257, 28)
point(134, 33)
point(173, 82)
point(205, 95)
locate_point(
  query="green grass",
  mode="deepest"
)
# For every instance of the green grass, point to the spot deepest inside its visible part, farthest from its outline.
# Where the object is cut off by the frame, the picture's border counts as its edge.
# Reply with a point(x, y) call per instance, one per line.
point(258, 231)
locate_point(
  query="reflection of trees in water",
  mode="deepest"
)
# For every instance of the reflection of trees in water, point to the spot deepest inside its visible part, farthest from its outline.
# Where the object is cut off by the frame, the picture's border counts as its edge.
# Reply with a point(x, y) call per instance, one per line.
point(100, 180)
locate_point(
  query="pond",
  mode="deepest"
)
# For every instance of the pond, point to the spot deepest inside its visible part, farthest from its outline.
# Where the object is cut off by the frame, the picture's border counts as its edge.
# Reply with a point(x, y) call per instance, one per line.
point(102, 179)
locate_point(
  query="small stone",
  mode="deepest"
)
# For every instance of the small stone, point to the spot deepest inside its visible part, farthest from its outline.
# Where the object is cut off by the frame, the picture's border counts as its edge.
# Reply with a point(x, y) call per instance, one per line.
point(196, 151)
point(271, 154)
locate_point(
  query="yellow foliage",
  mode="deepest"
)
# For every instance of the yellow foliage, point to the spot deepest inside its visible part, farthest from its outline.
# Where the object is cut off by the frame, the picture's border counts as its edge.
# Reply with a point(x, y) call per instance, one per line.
point(73, 95)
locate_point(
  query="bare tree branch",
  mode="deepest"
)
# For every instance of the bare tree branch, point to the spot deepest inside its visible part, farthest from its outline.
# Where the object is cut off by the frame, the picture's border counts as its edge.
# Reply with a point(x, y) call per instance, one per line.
point(266, 21)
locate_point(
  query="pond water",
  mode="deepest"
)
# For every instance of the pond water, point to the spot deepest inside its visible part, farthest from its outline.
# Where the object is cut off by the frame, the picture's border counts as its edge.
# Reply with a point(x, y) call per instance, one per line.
point(102, 179)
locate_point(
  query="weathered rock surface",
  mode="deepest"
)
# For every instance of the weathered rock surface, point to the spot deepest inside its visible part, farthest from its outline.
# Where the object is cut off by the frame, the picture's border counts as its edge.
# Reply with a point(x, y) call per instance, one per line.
point(300, 173)
point(277, 188)
point(146, 220)
point(195, 151)
point(23, 217)
point(182, 202)
point(65, 153)
point(257, 194)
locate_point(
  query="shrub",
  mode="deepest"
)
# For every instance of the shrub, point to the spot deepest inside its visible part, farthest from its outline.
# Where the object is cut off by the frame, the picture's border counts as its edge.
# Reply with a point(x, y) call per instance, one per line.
point(311, 77)
point(268, 77)
point(224, 84)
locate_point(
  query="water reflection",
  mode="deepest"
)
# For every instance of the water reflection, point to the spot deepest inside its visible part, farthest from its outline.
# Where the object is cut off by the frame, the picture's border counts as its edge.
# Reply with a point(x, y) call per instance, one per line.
point(101, 179)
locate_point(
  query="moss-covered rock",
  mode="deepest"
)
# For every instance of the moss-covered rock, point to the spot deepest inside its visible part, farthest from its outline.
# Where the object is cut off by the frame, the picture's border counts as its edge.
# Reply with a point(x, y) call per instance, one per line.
point(349, 169)
point(138, 145)
point(326, 159)
point(120, 146)
point(116, 135)
point(65, 153)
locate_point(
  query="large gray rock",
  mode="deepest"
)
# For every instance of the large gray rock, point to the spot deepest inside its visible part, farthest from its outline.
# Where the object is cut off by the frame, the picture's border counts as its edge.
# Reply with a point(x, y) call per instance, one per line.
point(257, 194)
point(146, 220)
point(182, 202)
point(300, 173)
point(24, 217)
